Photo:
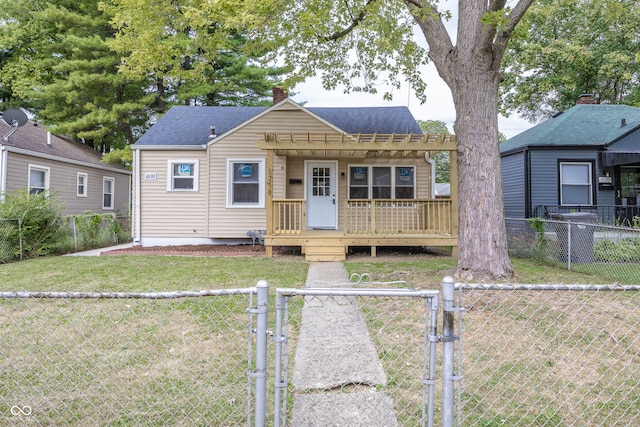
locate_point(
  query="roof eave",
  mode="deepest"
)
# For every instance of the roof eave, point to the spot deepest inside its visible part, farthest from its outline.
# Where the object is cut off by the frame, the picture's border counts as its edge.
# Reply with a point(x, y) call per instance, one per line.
point(151, 147)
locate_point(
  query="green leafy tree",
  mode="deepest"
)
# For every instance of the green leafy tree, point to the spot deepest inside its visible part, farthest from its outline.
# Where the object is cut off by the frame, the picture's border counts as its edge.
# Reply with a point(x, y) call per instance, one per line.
point(442, 159)
point(60, 65)
point(354, 44)
point(62, 61)
point(565, 48)
point(121, 156)
point(188, 54)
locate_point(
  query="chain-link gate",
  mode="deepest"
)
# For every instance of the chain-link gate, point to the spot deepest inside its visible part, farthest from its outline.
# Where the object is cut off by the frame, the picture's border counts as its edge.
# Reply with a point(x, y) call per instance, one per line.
point(351, 367)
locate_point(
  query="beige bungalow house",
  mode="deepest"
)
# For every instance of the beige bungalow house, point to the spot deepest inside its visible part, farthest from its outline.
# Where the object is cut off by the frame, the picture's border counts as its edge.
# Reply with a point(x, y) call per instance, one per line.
point(322, 179)
point(32, 158)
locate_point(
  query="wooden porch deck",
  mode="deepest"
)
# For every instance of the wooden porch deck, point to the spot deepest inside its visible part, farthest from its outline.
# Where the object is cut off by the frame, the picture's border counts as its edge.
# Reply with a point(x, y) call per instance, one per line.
point(371, 223)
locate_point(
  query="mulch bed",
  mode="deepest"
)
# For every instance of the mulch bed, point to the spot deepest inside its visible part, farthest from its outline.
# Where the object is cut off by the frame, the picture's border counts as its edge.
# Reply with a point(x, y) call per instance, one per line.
point(192, 250)
point(253, 250)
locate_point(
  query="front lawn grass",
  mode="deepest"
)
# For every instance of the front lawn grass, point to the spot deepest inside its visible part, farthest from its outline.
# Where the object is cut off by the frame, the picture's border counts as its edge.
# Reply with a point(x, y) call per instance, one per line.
point(176, 362)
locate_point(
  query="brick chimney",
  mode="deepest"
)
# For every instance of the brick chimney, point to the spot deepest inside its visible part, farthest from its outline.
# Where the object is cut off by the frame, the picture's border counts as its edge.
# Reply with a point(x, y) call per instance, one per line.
point(279, 94)
point(587, 98)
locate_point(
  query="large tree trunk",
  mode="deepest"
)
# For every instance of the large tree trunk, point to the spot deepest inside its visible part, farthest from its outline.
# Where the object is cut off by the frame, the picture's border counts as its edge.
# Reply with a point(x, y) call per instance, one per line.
point(482, 234)
point(471, 69)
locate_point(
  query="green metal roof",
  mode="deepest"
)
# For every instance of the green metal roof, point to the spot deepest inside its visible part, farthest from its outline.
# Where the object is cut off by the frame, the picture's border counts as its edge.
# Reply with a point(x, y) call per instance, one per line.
point(581, 125)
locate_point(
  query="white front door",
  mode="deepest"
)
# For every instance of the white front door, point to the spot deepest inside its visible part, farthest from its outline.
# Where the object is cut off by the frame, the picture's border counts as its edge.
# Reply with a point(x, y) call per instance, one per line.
point(322, 204)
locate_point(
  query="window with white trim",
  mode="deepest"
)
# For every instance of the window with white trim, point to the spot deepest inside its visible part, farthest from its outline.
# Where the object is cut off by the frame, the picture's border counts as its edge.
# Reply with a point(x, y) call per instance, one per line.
point(38, 179)
point(183, 175)
point(108, 186)
point(81, 186)
point(245, 183)
point(576, 184)
point(382, 182)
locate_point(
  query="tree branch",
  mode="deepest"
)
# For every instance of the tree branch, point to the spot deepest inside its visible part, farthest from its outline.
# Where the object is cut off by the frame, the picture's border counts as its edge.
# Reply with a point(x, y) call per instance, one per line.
point(356, 21)
point(502, 39)
point(430, 22)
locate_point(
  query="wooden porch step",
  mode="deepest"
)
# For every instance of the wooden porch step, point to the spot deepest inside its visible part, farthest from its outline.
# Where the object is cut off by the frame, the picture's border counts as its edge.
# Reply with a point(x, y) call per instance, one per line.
point(325, 252)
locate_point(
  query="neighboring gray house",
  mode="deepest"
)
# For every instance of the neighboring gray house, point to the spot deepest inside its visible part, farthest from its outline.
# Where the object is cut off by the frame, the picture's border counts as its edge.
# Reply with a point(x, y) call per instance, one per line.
point(33, 158)
point(584, 159)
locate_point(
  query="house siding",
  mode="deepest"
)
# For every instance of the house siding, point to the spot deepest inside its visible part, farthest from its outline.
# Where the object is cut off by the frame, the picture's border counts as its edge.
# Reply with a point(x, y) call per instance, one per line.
point(514, 185)
point(63, 183)
point(545, 179)
point(233, 222)
point(172, 214)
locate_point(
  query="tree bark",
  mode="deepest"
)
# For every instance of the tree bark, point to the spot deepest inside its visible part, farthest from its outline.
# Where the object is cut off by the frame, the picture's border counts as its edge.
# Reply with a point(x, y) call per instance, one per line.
point(482, 234)
point(471, 69)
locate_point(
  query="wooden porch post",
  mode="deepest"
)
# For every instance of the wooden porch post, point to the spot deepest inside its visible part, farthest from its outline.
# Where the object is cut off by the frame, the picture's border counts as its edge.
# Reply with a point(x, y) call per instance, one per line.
point(269, 200)
point(453, 158)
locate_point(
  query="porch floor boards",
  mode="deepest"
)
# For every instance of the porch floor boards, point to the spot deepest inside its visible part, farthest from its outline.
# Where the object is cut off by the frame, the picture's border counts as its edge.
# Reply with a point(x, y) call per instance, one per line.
point(333, 245)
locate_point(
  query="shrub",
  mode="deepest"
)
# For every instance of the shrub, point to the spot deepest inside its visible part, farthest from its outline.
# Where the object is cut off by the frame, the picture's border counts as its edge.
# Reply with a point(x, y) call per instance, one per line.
point(626, 250)
point(88, 226)
point(539, 246)
point(95, 230)
point(42, 223)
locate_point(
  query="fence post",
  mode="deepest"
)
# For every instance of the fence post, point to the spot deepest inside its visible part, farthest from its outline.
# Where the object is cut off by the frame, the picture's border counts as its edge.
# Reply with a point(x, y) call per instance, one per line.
point(262, 312)
point(569, 245)
point(75, 234)
point(20, 232)
point(448, 309)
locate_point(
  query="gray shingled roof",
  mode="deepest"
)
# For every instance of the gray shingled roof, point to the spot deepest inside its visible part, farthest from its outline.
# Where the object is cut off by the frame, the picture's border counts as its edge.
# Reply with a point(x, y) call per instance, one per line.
point(581, 125)
point(33, 137)
point(187, 125)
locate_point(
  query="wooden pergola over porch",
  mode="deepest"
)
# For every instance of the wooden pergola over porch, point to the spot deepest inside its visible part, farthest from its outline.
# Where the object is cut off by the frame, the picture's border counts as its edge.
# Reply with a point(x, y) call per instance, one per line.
point(365, 222)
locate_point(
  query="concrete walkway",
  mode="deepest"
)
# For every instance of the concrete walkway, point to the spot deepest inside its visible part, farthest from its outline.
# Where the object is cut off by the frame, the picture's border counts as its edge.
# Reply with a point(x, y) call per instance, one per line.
point(336, 366)
point(97, 252)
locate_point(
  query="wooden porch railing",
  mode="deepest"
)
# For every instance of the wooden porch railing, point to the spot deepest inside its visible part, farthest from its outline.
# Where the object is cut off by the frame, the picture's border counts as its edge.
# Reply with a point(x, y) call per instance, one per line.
point(393, 217)
point(371, 217)
point(289, 216)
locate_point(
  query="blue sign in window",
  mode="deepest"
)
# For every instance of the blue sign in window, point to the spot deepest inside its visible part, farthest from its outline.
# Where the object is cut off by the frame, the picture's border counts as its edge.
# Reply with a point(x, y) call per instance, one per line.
point(246, 171)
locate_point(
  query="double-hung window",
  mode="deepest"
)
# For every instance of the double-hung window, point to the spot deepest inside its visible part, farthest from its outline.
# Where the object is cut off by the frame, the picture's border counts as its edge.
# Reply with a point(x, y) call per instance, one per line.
point(183, 175)
point(81, 187)
point(38, 179)
point(382, 182)
point(245, 183)
point(108, 185)
point(576, 184)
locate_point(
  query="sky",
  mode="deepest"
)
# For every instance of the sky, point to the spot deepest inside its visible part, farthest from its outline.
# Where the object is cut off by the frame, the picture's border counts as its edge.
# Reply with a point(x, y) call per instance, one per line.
point(439, 104)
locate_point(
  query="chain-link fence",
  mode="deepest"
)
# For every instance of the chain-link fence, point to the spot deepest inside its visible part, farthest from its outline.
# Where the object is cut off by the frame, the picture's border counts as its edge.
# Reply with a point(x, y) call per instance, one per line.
point(612, 253)
point(89, 359)
point(551, 356)
point(10, 239)
point(545, 355)
point(92, 230)
point(80, 232)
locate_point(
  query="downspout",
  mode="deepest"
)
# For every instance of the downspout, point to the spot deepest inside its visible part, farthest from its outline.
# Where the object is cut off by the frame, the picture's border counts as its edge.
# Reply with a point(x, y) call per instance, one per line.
point(136, 207)
point(527, 185)
point(3, 171)
point(431, 162)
